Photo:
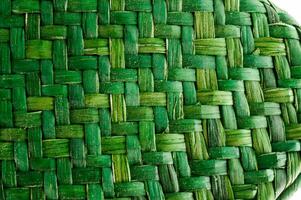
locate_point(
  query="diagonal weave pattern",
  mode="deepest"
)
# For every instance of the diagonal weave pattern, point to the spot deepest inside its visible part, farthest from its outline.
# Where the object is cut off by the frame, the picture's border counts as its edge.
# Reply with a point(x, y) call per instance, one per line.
point(148, 99)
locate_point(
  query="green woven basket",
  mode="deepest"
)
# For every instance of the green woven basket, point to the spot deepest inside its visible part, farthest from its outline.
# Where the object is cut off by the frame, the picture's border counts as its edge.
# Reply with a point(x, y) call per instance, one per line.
point(149, 99)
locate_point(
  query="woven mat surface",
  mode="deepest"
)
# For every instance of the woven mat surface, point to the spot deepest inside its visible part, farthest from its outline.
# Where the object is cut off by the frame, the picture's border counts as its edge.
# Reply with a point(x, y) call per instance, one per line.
point(148, 99)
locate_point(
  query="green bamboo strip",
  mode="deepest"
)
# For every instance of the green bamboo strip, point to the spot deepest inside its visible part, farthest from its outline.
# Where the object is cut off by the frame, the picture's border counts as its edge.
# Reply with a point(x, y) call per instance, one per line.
point(215, 46)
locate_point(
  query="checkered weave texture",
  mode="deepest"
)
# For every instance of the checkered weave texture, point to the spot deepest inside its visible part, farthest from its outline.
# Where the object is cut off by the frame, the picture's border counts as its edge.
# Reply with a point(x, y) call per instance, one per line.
point(148, 99)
